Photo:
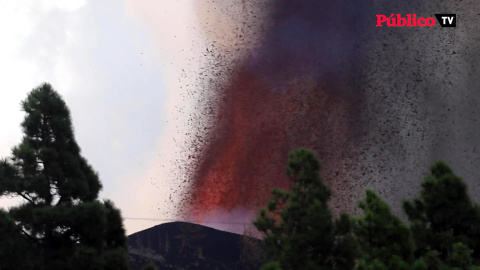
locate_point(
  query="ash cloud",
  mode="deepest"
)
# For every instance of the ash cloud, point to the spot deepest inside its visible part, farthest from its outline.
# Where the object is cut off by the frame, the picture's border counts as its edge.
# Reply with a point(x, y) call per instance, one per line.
point(379, 105)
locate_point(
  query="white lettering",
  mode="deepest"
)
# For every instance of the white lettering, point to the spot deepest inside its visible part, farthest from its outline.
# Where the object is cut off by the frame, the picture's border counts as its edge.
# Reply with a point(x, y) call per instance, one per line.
point(445, 18)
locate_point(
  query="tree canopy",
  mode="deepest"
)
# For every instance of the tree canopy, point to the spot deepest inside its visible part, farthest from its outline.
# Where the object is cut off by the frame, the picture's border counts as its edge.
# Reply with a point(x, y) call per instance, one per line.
point(385, 241)
point(444, 221)
point(300, 232)
point(442, 232)
point(60, 223)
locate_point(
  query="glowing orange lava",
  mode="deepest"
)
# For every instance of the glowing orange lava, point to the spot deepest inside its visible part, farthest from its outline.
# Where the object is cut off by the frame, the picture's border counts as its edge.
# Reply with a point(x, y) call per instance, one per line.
point(256, 129)
point(297, 89)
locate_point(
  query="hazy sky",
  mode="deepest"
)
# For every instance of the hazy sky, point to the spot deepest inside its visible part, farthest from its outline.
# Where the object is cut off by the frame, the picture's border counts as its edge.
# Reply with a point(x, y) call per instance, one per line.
point(120, 80)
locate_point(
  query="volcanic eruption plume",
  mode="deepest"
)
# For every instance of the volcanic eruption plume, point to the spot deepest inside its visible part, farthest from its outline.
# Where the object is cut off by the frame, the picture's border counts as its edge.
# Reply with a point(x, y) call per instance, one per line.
point(319, 74)
point(295, 87)
point(378, 104)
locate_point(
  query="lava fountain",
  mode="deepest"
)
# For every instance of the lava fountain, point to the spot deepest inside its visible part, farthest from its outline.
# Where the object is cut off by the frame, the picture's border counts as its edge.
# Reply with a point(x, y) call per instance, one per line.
point(297, 87)
point(378, 104)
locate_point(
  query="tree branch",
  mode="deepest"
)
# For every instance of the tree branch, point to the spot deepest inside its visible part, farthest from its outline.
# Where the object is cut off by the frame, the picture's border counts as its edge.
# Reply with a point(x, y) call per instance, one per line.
point(25, 197)
point(30, 237)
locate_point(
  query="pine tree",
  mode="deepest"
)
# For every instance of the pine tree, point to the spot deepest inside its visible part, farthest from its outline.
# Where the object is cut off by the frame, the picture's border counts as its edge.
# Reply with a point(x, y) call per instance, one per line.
point(15, 251)
point(60, 217)
point(299, 231)
point(443, 219)
point(386, 242)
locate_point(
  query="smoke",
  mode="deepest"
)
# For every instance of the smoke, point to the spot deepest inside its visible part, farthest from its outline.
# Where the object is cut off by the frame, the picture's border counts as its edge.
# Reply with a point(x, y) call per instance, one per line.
point(175, 41)
point(257, 79)
point(377, 104)
point(194, 43)
point(295, 87)
point(238, 220)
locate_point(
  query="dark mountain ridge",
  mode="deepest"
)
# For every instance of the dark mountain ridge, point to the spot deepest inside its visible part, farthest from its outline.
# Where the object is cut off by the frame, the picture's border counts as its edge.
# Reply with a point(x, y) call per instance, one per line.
point(182, 245)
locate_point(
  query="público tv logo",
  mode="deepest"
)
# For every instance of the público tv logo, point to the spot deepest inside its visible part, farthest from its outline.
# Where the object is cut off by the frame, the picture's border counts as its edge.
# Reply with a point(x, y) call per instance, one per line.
point(447, 20)
point(411, 20)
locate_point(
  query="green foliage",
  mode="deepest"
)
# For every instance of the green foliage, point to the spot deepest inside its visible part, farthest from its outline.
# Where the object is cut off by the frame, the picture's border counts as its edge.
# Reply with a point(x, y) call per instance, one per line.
point(150, 266)
point(272, 265)
point(443, 215)
point(299, 230)
point(385, 241)
point(15, 251)
point(60, 223)
point(461, 256)
point(301, 234)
